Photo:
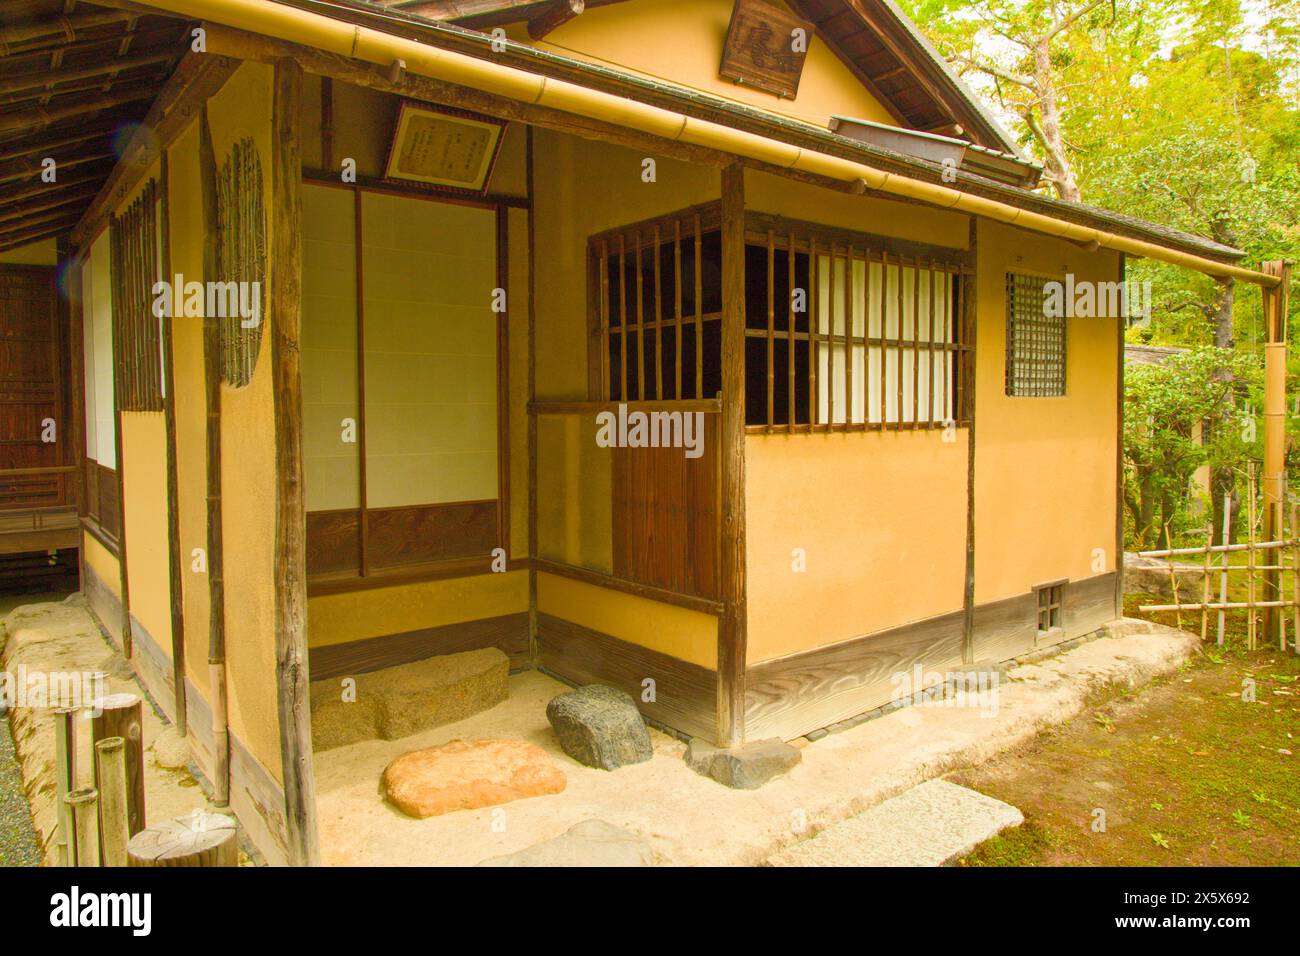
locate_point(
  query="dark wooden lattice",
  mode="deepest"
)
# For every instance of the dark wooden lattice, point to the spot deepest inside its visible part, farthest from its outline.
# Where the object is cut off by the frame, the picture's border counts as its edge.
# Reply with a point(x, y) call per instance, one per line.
point(1035, 365)
point(137, 332)
point(241, 259)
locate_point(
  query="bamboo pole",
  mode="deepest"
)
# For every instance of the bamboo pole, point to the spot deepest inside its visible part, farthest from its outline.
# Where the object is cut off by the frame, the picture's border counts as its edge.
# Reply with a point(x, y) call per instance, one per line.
point(1216, 605)
point(1205, 581)
point(1223, 577)
point(1295, 581)
point(114, 832)
point(1250, 557)
point(1173, 587)
point(65, 777)
point(82, 807)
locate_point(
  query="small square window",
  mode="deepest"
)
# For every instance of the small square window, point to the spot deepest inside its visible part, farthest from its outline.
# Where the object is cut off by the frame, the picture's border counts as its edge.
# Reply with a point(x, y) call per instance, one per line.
point(1035, 364)
point(1049, 607)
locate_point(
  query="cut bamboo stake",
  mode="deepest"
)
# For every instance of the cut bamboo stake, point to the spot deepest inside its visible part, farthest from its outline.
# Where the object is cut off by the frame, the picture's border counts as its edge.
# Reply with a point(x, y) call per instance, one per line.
point(1281, 557)
point(1173, 588)
point(120, 716)
point(65, 778)
point(110, 768)
point(85, 825)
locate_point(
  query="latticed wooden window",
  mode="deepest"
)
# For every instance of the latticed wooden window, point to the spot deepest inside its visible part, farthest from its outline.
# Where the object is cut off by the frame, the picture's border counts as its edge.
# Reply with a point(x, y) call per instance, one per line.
point(137, 331)
point(1035, 340)
point(656, 299)
point(1049, 607)
point(241, 261)
point(848, 331)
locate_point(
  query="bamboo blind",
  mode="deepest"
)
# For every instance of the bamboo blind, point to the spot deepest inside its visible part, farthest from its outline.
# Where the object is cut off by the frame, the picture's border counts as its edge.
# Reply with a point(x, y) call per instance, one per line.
point(241, 256)
point(1035, 362)
point(850, 336)
point(137, 332)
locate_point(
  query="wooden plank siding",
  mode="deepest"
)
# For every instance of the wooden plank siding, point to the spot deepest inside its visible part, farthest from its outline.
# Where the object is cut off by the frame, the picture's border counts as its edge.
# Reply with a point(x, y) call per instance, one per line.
point(508, 632)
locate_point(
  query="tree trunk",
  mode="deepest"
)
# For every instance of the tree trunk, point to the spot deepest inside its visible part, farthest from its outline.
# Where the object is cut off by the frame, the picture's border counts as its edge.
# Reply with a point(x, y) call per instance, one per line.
point(1049, 131)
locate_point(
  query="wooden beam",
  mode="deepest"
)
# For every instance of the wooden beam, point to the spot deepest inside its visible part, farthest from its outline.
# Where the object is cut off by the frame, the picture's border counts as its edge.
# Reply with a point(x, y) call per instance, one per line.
point(198, 76)
point(28, 169)
point(59, 27)
point(15, 240)
point(44, 116)
point(732, 624)
point(556, 14)
point(47, 78)
point(44, 147)
point(1119, 456)
point(75, 196)
point(291, 522)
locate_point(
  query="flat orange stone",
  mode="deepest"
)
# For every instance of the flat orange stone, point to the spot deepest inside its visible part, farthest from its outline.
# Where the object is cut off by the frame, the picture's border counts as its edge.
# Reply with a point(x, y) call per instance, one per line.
point(465, 775)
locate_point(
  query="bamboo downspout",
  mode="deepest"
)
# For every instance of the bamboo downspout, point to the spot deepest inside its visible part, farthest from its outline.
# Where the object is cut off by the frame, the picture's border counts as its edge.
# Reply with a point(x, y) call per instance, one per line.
point(383, 49)
point(212, 403)
point(1273, 484)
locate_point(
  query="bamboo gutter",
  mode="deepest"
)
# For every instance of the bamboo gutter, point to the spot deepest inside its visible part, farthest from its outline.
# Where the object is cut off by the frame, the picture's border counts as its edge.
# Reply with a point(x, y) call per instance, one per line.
point(383, 49)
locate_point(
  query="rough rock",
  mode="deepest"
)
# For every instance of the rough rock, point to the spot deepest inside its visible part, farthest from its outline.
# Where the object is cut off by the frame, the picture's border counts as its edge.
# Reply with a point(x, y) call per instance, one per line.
point(400, 701)
point(589, 843)
point(1151, 576)
point(465, 775)
point(747, 767)
point(171, 750)
point(600, 727)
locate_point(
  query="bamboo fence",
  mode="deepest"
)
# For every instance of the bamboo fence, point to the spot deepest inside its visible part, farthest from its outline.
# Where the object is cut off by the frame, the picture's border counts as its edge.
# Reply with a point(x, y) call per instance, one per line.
point(1275, 566)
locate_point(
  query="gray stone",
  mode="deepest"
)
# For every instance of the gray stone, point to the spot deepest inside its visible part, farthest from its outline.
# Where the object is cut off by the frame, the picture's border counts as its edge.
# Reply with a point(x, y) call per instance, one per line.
point(590, 843)
point(747, 767)
point(600, 727)
point(396, 702)
point(931, 824)
point(818, 734)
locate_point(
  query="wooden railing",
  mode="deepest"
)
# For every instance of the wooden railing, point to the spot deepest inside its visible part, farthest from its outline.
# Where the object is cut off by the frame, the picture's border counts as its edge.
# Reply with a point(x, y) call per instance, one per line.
point(39, 487)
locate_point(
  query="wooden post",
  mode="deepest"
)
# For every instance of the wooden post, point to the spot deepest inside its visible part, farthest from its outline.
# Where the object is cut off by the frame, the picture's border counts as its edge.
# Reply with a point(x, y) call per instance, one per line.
point(120, 716)
point(110, 769)
point(212, 404)
point(174, 577)
point(120, 369)
point(85, 825)
point(1119, 452)
point(65, 779)
point(201, 839)
point(969, 319)
point(1274, 476)
point(291, 523)
point(732, 624)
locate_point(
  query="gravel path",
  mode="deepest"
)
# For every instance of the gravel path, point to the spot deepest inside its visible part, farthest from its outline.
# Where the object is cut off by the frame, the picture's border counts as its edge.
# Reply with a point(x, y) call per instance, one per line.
point(18, 844)
point(17, 838)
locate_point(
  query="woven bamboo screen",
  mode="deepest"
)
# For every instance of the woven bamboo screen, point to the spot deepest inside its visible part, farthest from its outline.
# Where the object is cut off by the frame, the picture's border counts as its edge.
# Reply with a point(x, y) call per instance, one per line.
point(137, 332)
point(241, 259)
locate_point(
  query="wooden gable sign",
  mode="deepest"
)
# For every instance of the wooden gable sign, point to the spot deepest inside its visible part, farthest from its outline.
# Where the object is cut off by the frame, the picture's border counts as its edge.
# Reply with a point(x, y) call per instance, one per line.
point(765, 48)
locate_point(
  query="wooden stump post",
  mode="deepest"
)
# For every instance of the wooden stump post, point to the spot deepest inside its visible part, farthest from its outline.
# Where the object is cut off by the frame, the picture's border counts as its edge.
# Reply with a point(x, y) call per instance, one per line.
point(121, 716)
point(201, 839)
point(82, 807)
point(65, 780)
point(110, 769)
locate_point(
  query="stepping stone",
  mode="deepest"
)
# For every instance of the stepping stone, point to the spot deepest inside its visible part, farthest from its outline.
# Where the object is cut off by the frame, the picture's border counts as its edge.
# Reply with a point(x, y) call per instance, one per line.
point(600, 727)
point(396, 702)
point(932, 824)
point(590, 843)
point(465, 775)
point(746, 767)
